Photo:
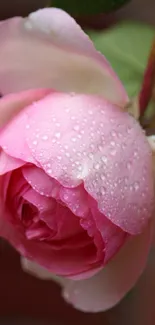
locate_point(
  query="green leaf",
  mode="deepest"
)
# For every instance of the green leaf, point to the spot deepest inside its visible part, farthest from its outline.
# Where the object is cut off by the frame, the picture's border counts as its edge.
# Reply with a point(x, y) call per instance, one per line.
point(86, 7)
point(127, 47)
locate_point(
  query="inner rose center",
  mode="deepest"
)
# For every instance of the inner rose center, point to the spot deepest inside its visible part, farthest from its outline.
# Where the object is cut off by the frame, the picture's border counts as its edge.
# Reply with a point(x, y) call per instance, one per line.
point(34, 227)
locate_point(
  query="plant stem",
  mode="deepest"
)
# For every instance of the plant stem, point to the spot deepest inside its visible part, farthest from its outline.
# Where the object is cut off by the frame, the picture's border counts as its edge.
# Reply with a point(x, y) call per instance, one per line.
point(148, 82)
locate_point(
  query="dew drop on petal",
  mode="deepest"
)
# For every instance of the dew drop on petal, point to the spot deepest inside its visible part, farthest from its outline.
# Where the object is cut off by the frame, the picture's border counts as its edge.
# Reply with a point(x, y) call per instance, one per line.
point(49, 171)
point(136, 186)
point(129, 165)
point(113, 143)
point(74, 139)
point(104, 159)
point(103, 190)
point(90, 155)
point(113, 152)
point(76, 127)
point(57, 135)
point(97, 166)
point(45, 137)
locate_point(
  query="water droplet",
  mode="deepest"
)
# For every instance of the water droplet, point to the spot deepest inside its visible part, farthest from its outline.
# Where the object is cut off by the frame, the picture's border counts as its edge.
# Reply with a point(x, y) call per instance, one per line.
point(35, 142)
point(104, 159)
point(45, 137)
point(103, 177)
point(65, 197)
point(57, 135)
point(74, 139)
point(135, 153)
point(90, 112)
point(113, 143)
point(136, 186)
point(113, 133)
point(113, 152)
point(92, 146)
point(126, 180)
point(97, 166)
point(90, 155)
point(123, 145)
point(27, 126)
point(100, 148)
point(76, 127)
point(103, 190)
point(67, 154)
point(129, 165)
point(49, 171)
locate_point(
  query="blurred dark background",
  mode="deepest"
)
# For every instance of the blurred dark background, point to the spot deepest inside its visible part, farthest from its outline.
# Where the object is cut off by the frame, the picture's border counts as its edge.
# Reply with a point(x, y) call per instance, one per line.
point(25, 300)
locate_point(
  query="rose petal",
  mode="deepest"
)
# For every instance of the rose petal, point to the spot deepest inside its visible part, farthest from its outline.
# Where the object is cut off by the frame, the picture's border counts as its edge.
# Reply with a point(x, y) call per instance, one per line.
point(108, 287)
point(87, 139)
point(48, 49)
point(41, 182)
point(13, 134)
point(13, 103)
point(8, 163)
point(63, 262)
point(39, 271)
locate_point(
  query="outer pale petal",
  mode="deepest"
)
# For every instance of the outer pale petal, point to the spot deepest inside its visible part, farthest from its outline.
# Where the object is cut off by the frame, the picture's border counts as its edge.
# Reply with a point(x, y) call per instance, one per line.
point(108, 287)
point(39, 271)
point(13, 103)
point(48, 49)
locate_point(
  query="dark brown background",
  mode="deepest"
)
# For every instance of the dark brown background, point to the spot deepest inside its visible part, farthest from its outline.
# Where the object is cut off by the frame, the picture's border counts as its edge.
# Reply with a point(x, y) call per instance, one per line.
point(22, 295)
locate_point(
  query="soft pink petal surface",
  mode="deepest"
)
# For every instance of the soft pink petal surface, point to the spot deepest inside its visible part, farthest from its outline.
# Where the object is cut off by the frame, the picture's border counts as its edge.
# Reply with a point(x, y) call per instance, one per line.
point(109, 286)
point(13, 103)
point(85, 139)
point(8, 163)
point(48, 49)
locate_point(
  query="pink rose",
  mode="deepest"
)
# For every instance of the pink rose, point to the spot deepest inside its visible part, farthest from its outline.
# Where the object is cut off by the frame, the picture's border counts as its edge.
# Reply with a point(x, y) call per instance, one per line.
point(76, 170)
